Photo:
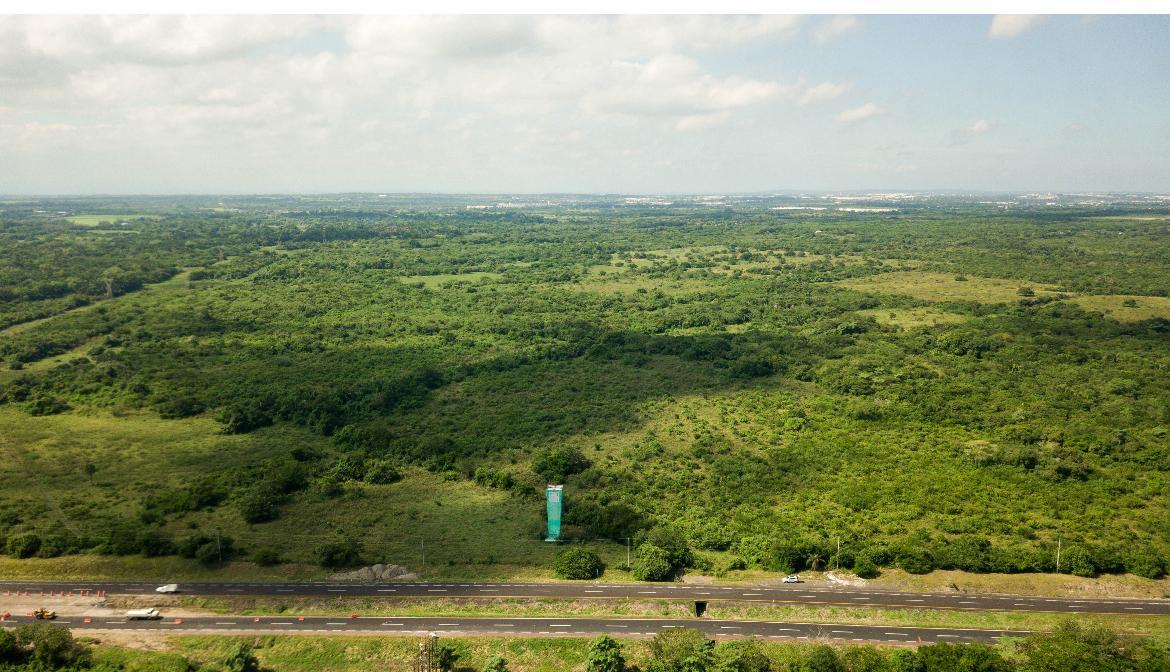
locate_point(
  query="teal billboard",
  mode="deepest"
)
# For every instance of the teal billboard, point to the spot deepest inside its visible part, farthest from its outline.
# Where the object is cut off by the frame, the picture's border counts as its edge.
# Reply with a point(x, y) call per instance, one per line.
point(553, 495)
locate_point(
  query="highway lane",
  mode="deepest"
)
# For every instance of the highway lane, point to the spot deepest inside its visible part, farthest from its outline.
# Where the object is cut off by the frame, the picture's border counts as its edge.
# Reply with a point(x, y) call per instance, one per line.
point(787, 594)
point(457, 625)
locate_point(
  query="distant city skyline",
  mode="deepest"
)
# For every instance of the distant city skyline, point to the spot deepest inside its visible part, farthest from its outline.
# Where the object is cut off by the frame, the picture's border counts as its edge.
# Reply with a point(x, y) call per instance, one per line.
point(581, 104)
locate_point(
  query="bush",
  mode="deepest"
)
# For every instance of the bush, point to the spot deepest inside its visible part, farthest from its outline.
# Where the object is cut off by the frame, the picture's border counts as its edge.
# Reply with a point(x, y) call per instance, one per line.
point(266, 557)
point(605, 655)
point(490, 478)
point(822, 658)
point(557, 464)
point(445, 657)
point(680, 650)
point(23, 545)
point(381, 472)
point(916, 560)
point(652, 564)
point(50, 647)
point(338, 554)
point(578, 563)
point(260, 503)
point(495, 664)
point(210, 554)
point(741, 656)
point(1076, 560)
point(240, 658)
point(963, 658)
point(865, 567)
point(1146, 564)
point(675, 545)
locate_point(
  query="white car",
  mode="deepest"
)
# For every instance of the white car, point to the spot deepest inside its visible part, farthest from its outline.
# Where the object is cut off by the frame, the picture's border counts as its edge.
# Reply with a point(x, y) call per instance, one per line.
point(168, 588)
point(792, 578)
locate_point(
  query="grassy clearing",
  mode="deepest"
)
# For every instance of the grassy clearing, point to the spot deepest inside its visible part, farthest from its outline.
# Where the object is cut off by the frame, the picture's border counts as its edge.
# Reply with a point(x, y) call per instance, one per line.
point(1125, 308)
point(912, 318)
point(436, 281)
point(930, 286)
point(680, 609)
point(1062, 585)
point(94, 220)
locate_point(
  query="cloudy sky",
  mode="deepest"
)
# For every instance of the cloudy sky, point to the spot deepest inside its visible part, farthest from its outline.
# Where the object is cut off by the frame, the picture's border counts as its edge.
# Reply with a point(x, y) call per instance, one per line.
point(583, 104)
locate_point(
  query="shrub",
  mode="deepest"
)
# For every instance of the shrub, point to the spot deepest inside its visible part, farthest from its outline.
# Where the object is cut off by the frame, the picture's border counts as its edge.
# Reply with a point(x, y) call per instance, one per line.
point(266, 557)
point(680, 650)
point(50, 647)
point(445, 657)
point(822, 658)
point(337, 554)
point(556, 464)
point(153, 543)
point(946, 657)
point(380, 472)
point(741, 656)
point(490, 478)
point(1076, 560)
point(1145, 563)
point(865, 567)
point(23, 545)
point(240, 658)
point(578, 563)
point(605, 655)
point(495, 664)
point(260, 503)
point(916, 560)
point(652, 564)
point(209, 554)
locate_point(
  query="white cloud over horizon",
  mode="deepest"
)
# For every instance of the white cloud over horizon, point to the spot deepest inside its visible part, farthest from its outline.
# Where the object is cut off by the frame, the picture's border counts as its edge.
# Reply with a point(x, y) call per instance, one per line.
point(509, 103)
point(1007, 26)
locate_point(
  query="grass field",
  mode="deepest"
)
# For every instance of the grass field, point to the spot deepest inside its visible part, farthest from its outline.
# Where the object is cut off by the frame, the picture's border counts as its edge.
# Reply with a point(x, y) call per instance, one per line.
point(1126, 308)
point(930, 286)
point(94, 220)
point(912, 318)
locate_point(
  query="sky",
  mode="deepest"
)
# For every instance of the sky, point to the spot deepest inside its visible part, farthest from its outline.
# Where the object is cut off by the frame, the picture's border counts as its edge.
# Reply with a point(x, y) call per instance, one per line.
point(583, 104)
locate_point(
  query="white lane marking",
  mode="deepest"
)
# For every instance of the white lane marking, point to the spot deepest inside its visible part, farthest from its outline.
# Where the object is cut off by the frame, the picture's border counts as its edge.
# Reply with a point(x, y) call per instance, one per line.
point(952, 636)
point(695, 593)
point(614, 625)
point(647, 592)
point(595, 591)
point(1135, 608)
point(841, 632)
point(1022, 604)
point(967, 602)
point(729, 627)
point(505, 625)
point(337, 590)
point(447, 625)
point(342, 623)
point(225, 622)
point(812, 596)
point(280, 623)
point(750, 594)
point(496, 590)
point(915, 600)
point(398, 625)
point(861, 598)
point(387, 590)
point(436, 590)
point(787, 630)
point(560, 625)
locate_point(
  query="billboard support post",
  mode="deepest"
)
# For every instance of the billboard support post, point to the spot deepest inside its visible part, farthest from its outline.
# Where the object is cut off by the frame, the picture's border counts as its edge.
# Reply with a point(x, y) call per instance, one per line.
point(553, 496)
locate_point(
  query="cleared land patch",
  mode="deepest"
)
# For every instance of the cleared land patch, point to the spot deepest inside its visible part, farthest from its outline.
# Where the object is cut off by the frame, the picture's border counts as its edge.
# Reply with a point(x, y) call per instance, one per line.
point(434, 281)
point(911, 318)
point(1125, 308)
point(930, 286)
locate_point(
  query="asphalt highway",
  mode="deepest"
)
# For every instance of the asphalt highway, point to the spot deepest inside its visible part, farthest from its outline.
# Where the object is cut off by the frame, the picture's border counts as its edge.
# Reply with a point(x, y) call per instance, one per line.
point(454, 625)
point(787, 594)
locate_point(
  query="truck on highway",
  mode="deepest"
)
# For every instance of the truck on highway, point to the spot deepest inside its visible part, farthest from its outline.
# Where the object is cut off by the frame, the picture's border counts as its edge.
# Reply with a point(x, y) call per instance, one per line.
point(143, 615)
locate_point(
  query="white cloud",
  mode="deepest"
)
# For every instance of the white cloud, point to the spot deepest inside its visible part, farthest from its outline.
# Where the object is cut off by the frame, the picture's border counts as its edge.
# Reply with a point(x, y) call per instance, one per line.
point(835, 27)
point(858, 113)
point(822, 92)
point(1007, 26)
point(977, 128)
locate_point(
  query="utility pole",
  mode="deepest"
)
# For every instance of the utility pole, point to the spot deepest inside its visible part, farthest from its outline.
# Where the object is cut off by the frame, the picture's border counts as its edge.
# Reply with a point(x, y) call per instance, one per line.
point(1058, 555)
point(627, 552)
point(422, 544)
point(218, 547)
point(838, 563)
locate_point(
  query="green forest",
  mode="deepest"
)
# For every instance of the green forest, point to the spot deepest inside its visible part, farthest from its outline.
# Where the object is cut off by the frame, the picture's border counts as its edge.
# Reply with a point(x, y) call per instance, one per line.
point(336, 380)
